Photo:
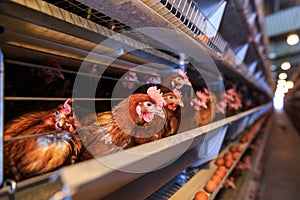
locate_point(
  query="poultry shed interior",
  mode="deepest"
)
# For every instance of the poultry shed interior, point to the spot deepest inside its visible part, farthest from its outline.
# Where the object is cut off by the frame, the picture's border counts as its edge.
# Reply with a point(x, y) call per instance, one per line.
point(99, 98)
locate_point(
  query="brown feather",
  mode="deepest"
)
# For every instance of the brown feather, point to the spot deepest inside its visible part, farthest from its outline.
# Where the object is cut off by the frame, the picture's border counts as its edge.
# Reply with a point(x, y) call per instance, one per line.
point(116, 130)
point(29, 157)
point(206, 116)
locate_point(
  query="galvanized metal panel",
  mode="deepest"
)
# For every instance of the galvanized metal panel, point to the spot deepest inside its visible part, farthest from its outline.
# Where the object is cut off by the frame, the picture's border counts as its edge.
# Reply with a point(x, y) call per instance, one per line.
point(283, 22)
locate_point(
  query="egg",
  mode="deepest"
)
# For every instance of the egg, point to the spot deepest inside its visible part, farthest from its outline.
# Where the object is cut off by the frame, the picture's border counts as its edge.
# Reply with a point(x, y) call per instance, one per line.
point(228, 156)
point(228, 163)
point(233, 149)
point(240, 149)
point(201, 196)
point(222, 168)
point(217, 178)
point(219, 173)
point(210, 186)
point(219, 161)
point(235, 155)
point(244, 139)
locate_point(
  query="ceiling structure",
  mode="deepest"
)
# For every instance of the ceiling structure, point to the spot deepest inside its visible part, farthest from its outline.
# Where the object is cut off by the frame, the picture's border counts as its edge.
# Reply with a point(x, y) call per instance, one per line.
point(278, 5)
point(282, 19)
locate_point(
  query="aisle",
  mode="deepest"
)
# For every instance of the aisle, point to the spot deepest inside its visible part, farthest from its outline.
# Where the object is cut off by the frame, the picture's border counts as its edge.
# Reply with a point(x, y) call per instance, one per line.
point(281, 179)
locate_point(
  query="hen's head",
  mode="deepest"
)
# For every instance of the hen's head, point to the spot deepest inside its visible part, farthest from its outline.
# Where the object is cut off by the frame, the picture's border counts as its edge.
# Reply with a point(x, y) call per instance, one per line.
point(172, 100)
point(130, 80)
point(154, 78)
point(200, 101)
point(49, 75)
point(143, 107)
point(233, 100)
point(221, 107)
point(64, 117)
point(176, 80)
point(180, 79)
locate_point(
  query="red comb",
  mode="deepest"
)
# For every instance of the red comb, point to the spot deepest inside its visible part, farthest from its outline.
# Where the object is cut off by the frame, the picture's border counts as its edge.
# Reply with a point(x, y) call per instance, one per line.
point(177, 93)
point(156, 96)
point(183, 74)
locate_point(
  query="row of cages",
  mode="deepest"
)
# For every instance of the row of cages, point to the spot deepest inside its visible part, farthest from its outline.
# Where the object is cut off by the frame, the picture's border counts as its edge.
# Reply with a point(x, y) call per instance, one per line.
point(57, 111)
point(42, 107)
point(207, 23)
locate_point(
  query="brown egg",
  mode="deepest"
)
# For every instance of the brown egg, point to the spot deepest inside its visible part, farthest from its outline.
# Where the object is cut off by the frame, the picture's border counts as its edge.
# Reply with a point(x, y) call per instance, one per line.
point(240, 149)
point(219, 173)
point(228, 156)
point(201, 196)
point(233, 149)
point(235, 155)
point(223, 169)
point(217, 178)
point(210, 186)
point(244, 139)
point(228, 163)
point(219, 161)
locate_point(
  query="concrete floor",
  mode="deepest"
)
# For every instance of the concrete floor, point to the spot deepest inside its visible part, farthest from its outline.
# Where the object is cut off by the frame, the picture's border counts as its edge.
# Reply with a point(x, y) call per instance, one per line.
point(281, 177)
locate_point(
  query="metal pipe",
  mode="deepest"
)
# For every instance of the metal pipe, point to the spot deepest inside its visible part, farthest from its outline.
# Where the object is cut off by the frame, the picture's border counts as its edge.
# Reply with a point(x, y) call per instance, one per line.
point(58, 99)
point(1, 114)
point(63, 70)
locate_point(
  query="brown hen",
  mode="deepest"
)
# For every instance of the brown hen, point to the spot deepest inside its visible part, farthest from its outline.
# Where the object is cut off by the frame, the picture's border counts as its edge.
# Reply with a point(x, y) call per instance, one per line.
point(125, 126)
point(173, 104)
point(30, 149)
point(200, 110)
point(175, 81)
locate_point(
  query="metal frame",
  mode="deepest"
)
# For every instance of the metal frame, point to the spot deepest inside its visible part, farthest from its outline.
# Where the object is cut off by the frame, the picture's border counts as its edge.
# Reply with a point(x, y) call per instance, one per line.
point(1, 114)
point(86, 184)
point(99, 180)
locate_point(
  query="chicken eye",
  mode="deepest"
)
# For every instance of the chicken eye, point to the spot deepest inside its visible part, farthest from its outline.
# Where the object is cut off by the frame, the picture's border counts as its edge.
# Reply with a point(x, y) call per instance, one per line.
point(171, 97)
point(179, 79)
point(148, 104)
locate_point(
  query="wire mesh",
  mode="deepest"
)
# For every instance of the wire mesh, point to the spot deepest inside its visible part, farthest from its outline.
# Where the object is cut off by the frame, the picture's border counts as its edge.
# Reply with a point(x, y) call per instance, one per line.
point(169, 189)
point(189, 14)
point(86, 12)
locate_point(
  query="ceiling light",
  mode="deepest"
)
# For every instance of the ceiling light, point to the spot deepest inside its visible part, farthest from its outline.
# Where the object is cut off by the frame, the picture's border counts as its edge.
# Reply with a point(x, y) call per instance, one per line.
point(282, 76)
point(285, 90)
point(281, 82)
point(289, 84)
point(285, 65)
point(292, 39)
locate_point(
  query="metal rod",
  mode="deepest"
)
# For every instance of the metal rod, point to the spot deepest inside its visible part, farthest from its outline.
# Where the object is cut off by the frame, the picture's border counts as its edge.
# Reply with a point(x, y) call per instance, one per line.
point(64, 70)
point(1, 114)
point(58, 99)
point(32, 136)
point(23, 137)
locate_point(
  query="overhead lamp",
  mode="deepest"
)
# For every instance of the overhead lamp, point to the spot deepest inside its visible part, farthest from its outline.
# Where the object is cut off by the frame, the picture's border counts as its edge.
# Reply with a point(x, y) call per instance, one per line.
point(292, 39)
point(285, 90)
point(285, 65)
point(289, 84)
point(281, 82)
point(282, 76)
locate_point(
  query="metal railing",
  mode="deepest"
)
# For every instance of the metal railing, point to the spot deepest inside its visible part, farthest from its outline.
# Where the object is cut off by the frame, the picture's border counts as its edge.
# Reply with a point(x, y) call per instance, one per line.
point(190, 14)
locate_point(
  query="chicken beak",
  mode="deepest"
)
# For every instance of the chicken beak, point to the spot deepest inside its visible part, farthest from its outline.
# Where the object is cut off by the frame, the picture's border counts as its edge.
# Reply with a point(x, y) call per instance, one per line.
point(159, 112)
point(60, 75)
point(187, 82)
point(180, 103)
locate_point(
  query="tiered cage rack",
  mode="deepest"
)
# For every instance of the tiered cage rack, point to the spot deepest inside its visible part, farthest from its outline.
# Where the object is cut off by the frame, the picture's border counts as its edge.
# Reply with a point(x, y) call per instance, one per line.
point(232, 33)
